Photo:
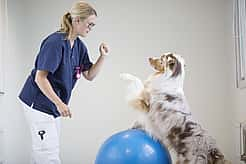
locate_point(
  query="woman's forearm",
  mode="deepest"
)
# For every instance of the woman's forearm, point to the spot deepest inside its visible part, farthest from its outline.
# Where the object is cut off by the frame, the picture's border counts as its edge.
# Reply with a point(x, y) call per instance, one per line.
point(95, 68)
point(93, 71)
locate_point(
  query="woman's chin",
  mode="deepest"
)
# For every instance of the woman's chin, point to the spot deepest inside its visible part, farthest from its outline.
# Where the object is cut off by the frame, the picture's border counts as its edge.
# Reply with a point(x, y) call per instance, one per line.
point(84, 35)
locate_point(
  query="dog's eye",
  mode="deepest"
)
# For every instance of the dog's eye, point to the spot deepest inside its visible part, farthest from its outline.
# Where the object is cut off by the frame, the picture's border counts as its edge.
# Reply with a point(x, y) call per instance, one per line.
point(170, 62)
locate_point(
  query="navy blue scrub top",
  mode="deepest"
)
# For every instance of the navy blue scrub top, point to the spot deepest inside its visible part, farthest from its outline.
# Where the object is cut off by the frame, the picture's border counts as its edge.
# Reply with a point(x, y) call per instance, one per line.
point(60, 60)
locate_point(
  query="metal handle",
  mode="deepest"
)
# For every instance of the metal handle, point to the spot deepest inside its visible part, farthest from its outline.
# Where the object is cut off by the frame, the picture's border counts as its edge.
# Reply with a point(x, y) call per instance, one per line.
point(243, 141)
point(1, 93)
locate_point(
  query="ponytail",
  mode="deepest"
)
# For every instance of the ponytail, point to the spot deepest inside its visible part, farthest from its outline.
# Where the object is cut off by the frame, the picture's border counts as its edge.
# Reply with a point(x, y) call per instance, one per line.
point(66, 24)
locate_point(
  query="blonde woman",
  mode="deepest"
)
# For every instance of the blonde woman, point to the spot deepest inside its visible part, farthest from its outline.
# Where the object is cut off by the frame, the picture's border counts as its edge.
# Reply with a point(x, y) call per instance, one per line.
point(62, 58)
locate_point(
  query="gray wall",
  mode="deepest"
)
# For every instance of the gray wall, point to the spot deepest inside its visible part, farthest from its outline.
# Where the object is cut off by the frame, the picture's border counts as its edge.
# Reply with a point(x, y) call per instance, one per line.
point(199, 30)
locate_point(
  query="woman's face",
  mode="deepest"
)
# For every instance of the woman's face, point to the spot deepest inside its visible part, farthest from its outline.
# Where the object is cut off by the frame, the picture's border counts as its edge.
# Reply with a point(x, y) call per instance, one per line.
point(82, 28)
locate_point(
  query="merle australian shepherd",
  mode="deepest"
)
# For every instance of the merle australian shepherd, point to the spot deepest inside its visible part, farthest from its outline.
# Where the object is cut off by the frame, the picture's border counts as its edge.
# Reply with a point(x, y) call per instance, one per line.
point(166, 114)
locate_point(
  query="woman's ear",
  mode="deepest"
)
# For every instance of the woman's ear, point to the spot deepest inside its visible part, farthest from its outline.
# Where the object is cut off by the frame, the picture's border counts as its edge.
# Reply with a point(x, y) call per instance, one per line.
point(76, 20)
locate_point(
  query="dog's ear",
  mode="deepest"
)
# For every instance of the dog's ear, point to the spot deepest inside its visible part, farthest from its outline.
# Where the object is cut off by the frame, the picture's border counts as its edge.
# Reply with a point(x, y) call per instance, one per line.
point(175, 66)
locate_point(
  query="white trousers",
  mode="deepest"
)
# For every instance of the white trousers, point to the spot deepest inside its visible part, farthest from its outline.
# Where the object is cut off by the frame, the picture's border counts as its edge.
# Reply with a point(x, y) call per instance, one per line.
point(45, 133)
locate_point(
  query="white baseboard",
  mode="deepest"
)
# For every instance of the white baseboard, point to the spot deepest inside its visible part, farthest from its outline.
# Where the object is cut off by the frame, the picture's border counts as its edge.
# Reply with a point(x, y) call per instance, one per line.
point(2, 146)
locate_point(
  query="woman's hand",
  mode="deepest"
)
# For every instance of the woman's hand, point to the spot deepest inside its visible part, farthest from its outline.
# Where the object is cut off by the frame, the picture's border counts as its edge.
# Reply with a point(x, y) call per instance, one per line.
point(63, 110)
point(104, 49)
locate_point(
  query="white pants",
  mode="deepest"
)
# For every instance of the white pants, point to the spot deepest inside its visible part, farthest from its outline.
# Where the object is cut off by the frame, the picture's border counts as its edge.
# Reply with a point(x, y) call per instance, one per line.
point(45, 133)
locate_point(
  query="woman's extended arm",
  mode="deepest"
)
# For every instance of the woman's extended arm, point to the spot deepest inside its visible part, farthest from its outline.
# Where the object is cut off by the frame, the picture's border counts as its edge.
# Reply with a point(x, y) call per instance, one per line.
point(45, 86)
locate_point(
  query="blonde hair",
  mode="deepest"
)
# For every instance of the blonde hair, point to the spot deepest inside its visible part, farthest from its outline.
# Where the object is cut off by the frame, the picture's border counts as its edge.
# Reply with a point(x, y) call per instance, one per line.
point(79, 9)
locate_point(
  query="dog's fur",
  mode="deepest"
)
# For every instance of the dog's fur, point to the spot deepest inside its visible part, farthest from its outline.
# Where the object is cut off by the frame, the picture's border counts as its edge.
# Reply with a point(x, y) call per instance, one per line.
point(167, 116)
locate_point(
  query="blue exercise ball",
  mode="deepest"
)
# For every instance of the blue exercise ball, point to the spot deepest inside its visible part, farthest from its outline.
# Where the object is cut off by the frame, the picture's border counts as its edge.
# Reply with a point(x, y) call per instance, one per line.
point(132, 147)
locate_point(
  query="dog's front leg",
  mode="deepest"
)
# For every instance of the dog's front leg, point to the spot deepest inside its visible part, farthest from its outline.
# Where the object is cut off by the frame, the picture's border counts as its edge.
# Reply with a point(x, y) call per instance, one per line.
point(137, 96)
point(134, 87)
point(141, 101)
point(144, 124)
point(138, 125)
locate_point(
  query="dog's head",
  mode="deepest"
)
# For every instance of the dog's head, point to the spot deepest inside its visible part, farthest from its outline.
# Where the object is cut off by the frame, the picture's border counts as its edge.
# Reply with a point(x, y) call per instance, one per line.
point(169, 76)
point(168, 62)
point(159, 64)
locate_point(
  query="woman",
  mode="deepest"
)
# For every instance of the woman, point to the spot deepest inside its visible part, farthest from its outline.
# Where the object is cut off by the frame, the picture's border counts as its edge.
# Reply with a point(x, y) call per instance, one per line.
point(62, 58)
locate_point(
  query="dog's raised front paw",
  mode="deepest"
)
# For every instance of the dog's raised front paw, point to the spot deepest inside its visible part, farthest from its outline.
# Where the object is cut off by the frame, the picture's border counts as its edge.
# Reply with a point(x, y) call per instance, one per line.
point(127, 76)
point(138, 125)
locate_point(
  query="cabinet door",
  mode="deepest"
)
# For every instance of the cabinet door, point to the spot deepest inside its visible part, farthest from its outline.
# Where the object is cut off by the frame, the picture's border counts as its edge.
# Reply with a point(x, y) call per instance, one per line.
point(240, 41)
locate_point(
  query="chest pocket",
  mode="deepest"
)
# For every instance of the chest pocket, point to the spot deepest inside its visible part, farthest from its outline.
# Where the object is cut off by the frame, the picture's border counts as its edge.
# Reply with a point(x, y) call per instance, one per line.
point(75, 63)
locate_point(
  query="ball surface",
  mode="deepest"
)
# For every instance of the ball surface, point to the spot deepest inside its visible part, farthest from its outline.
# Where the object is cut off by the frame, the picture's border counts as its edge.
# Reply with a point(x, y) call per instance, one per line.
point(132, 147)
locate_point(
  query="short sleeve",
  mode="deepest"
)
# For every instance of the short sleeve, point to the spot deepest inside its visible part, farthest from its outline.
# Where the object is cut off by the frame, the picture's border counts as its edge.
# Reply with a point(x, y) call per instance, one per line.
point(86, 63)
point(49, 57)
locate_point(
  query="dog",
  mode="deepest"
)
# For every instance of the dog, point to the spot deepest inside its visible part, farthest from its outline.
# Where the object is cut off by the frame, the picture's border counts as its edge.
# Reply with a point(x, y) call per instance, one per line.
point(167, 117)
